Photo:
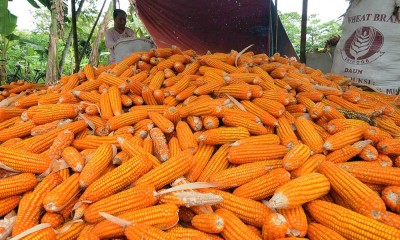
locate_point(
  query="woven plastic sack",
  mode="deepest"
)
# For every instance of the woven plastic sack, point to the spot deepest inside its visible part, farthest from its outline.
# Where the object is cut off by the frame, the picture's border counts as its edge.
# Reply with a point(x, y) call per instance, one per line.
point(368, 51)
point(126, 46)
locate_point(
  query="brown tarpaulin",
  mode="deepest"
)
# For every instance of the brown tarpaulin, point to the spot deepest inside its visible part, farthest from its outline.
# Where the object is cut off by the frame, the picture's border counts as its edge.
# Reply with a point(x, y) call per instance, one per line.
point(218, 26)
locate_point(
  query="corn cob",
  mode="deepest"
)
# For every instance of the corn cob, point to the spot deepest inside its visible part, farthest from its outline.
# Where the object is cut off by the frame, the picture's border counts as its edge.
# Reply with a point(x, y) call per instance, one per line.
point(14, 185)
point(162, 216)
point(116, 179)
point(70, 230)
point(309, 166)
point(275, 227)
point(167, 171)
point(17, 130)
point(296, 156)
point(244, 173)
point(210, 223)
point(391, 196)
point(343, 138)
point(137, 197)
point(373, 174)
point(248, 210)
point(359, 196)
point(126, 119)
point(56, 199)
point(252, 153)
point(297, 221)
point(96, 165)
point(341, 219)
point(234, 227)
point(233, 120)
point(320, 232)
point(309, 135)
point(389, 146)
point(54, 219)
point(286, 133)
point(30, 215)
point(7, 204)
point(347, 152)
point(300, 190)
point(263, 186)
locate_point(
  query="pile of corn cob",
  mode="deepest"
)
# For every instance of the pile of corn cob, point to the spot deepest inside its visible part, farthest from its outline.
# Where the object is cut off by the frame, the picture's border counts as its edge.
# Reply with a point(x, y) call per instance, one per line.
point(171, 145)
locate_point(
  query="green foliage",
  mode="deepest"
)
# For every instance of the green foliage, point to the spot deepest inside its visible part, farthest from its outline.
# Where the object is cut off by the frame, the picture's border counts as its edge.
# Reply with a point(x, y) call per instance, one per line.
point(317, 32)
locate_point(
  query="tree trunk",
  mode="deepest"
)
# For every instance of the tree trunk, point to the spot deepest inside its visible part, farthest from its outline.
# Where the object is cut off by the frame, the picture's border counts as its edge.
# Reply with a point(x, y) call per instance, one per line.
point(52, 66)
point(94, 54)
point(69, 39)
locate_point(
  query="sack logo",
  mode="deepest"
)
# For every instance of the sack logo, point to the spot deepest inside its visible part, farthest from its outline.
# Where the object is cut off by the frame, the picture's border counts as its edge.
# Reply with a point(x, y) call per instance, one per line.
point(363, 46)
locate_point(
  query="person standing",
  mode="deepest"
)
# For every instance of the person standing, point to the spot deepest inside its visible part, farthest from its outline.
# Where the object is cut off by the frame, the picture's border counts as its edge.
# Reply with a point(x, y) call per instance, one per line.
point(118, 31)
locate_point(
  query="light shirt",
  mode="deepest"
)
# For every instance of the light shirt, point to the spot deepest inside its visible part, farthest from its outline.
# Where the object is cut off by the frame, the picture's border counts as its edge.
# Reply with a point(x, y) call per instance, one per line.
point(111, 39)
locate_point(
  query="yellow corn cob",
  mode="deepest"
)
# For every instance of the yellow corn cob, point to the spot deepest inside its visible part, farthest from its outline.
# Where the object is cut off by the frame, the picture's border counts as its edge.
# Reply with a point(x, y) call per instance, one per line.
point(63, 140)
point(30, 215)
point(70, 230)
point(234, 227)
point(137, 197)
point(162, 122)
point(167, 171)
point(243, 208)
point(309, 166)
point(162, 216)
point(115, 100)
point(96, 165)
point(252, 153)
point(55, 112)
point(359, 196)
point(138, 231)
point(296, 156)
point(46, 233)
point(244, 173)
point(110, 79)
point(372, 173)
point(28, 101)
point(217, 163)
point(300, 190)
point(134, 150)
point(347, 152)
point(309, 135)
point(126, 119)
point(56, 199)
point(174, 147)
point(320, 232)
point(24, 161)
point(89, 72)
point(297, 221)
point(341, 220)
point(390, 195)
point(7, 204)
point(17, 130)
point(343, 138)
point(186, 137)
point(223, 135)
point(117, 179)
point(54, 219)
point(210, 122)
point(7, 123)
point(286, 133)
point(179, 232)
point(160, 145)
point(105, 106)
point(14, 185)
point(233, 120)
point(275, 227)
point(92, 97)
point(210, 223)
point(87, 234)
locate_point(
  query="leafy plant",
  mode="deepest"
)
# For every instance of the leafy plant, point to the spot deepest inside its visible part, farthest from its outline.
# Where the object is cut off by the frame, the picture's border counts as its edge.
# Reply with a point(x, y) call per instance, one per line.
point(8, 23)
